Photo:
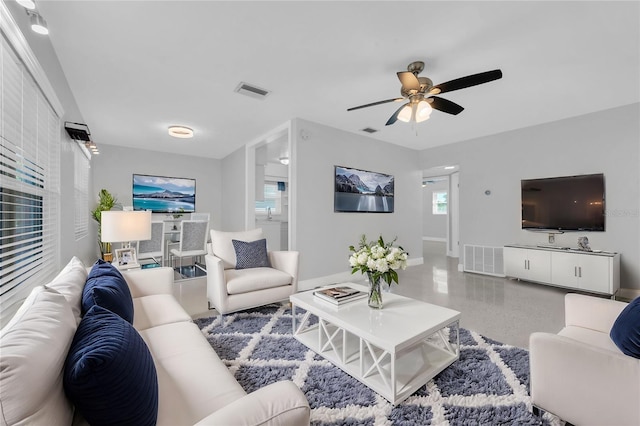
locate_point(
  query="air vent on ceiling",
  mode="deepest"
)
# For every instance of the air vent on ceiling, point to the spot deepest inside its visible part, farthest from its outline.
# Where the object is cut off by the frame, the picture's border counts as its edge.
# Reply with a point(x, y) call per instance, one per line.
point(369, 130)
point(251, 90)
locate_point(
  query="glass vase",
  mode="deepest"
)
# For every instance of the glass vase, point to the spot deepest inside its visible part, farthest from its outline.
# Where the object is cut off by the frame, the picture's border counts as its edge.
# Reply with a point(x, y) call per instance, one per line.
point(375, 291)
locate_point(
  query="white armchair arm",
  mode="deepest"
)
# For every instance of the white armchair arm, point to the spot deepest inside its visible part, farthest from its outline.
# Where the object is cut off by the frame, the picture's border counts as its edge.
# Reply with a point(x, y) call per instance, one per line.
point(576, 381)
point(216, 282)
point(278, 404)
point(286, 261)
point(591, 312)
point(148, 282)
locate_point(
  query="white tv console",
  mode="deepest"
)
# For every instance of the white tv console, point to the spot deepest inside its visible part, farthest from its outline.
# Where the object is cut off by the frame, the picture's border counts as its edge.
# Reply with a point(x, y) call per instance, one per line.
point(594, 272)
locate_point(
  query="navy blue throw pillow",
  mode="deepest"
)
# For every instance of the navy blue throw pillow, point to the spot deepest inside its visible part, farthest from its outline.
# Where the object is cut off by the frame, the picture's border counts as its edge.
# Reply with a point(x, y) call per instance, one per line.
point(251, 254)
point(625, 332)
point(109, 373)
point(107, 287)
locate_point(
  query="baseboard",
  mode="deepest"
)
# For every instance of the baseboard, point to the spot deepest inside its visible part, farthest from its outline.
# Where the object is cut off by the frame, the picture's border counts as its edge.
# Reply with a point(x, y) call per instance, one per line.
point(434, 239)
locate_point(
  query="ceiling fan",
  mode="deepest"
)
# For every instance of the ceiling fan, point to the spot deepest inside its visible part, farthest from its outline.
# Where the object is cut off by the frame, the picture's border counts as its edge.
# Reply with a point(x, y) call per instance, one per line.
point(420, 92)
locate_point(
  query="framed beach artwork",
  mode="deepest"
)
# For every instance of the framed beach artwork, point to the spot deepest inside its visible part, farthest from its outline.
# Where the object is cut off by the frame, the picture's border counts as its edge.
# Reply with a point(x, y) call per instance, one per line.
point(162, 194)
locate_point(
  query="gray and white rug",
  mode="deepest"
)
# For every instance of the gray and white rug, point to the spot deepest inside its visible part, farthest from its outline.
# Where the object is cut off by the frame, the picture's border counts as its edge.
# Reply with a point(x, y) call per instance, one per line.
point(488, 385)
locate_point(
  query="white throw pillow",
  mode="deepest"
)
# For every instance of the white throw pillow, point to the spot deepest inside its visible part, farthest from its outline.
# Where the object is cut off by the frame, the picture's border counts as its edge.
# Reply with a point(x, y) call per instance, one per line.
point(223, 247)
point(34, 346)
point(70, 282)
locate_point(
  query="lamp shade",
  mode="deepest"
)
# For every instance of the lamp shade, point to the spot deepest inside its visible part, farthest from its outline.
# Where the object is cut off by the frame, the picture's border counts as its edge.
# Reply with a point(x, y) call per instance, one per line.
point(125, 226)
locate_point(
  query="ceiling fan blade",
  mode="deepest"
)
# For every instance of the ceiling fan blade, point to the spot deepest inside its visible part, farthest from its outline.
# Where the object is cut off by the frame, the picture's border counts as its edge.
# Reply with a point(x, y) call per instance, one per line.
point(468, 81)
point(409, 80)
point(394, 117)
point(445, 105)
point(376, 103)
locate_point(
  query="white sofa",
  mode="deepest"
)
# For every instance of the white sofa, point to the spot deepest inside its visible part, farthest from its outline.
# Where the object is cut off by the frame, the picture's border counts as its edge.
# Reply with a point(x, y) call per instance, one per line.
point(230, 289)
point(580, 374)
point(194, 385)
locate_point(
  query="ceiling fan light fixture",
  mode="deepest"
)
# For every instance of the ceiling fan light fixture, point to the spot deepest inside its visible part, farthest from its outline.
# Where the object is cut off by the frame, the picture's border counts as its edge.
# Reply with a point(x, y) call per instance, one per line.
point(181, 132)
point(405, 114)
point(423, 111)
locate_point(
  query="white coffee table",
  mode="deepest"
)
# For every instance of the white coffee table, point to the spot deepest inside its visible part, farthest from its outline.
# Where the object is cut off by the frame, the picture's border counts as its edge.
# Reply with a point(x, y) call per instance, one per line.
point(394, 350)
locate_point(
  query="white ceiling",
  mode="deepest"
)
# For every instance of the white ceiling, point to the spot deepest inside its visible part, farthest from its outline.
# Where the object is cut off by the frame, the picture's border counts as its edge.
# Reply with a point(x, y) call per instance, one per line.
point(136, 67)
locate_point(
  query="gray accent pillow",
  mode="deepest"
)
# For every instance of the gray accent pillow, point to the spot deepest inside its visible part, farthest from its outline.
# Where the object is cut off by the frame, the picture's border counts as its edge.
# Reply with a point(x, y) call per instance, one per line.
point(251, 254)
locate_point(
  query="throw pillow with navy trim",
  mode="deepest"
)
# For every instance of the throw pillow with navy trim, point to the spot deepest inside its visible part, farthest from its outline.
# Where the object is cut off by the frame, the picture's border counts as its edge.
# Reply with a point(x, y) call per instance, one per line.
point(625, 332)
point(107, 287)
point(251, 254)
point(109, 374)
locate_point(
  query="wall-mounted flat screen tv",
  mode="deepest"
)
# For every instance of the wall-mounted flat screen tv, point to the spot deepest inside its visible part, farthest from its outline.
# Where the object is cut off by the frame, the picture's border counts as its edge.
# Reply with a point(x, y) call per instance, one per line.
point(568, 203)
point(362, 191)
point(162, 194)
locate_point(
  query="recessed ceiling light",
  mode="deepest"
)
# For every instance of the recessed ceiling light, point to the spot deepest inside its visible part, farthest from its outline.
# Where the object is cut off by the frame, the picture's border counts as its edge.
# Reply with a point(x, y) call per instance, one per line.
point(180, 132)
point(27, 4)
point(38, 24)
point(284, 160)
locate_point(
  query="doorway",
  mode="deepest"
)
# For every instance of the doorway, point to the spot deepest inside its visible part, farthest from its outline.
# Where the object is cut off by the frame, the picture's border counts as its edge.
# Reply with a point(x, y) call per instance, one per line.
point(441, 211)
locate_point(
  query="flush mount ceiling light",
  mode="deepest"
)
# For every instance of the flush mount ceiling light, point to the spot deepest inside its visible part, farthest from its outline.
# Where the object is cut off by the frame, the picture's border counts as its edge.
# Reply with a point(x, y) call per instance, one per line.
point(181, 132)
point(38, 24)
point(284, 160)
point(27, 4)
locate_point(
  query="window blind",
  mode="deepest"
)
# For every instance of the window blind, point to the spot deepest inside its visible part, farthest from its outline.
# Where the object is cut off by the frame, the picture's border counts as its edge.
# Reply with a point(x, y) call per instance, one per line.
point(81, 193)
point(29, 180)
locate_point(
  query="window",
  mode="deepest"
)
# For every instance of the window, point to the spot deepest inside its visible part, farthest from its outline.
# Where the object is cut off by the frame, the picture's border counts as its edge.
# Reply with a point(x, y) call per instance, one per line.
point(439, 202)
point(81, 192)
point(29, 175)
point(272, 199)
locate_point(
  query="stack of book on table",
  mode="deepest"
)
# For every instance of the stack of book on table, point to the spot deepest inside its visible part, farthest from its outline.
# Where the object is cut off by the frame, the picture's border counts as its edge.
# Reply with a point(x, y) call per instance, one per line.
point(339, 295)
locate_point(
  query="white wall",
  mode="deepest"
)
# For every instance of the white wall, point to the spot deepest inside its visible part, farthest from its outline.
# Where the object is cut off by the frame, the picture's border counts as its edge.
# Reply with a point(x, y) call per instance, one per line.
point(113, 170)
point(233, 191)
point(434, 226)
point(604, 142)
point(322, 236)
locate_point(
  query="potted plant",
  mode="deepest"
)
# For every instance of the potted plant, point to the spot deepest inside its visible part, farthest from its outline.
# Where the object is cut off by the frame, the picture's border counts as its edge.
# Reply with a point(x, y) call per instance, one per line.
point(106, 202)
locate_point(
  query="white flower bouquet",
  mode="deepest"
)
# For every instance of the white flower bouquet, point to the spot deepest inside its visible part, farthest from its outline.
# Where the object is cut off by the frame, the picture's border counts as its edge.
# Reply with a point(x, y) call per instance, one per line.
point(378, 259)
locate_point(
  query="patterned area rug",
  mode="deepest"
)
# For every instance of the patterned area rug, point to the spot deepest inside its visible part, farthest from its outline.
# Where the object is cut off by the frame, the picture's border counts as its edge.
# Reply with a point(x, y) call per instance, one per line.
point(488, 385)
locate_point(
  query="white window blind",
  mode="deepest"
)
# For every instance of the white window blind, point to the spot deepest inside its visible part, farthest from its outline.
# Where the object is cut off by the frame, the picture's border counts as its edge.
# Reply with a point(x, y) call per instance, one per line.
point(29, 180)
point(81, 193)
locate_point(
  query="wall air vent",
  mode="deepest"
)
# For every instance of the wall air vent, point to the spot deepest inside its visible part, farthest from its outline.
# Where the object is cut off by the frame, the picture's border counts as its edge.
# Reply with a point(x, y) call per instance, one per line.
point(251, 90)
point(369, 130)
point(77, 131)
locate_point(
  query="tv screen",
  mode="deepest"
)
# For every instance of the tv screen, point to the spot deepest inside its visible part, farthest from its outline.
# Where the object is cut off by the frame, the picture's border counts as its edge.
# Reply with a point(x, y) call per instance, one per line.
point(162, 194)
point(362, 191)
point(570, 203)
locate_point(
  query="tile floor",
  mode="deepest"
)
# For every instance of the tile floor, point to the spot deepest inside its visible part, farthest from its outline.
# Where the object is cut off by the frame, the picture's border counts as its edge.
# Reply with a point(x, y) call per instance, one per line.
point(502, 309)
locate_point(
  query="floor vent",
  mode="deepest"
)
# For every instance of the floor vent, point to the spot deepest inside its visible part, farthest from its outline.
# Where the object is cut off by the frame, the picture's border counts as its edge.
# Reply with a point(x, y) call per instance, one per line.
point(484, 260)
point(251, 90)
point(369, 130)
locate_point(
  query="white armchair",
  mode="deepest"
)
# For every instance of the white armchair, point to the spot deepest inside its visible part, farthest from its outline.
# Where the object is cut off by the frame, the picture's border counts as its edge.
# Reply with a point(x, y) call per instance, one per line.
point(230, 289)
point(580, 374)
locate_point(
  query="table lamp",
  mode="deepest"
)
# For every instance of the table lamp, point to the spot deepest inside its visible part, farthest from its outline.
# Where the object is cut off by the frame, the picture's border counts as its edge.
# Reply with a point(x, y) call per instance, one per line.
point(125, 227)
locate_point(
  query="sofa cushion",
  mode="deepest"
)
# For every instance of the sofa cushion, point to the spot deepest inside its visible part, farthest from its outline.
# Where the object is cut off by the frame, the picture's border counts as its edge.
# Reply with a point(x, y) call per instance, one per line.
point(193, 381)
point(625, 332)
point(106, 287)
point(223, 247)
point(109, 373)
point(70, 283)
point(248, 280)
point(251, 254)
point(33, 348)
point(157, 309)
